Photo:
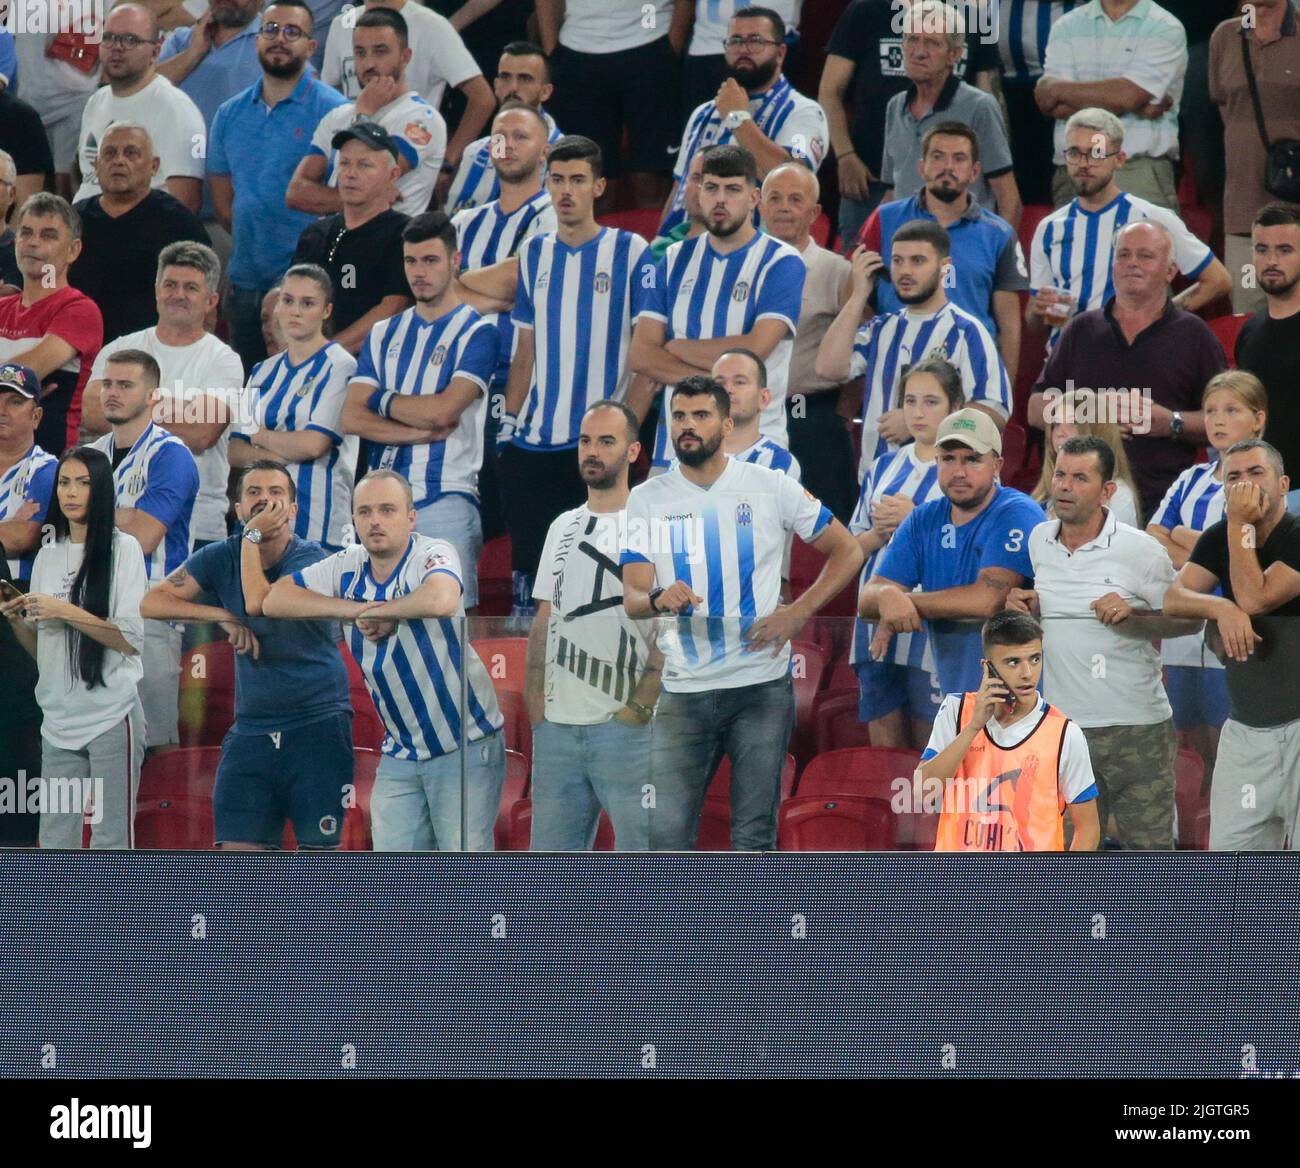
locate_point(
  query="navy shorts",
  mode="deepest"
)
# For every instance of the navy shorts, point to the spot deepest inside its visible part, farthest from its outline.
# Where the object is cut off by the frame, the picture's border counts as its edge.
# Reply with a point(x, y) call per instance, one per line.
point(303, 778)
point(1199, 696)
point(885, 686)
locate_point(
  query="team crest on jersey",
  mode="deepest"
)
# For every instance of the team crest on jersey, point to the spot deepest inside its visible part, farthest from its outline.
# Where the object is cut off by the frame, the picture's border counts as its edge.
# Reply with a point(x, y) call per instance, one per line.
point(687, 285)
point(436, 560)
point(135, 483)
point(744, 514)
point(741, 291)
point(439, 355)
point(305, 388)
point(601, 283)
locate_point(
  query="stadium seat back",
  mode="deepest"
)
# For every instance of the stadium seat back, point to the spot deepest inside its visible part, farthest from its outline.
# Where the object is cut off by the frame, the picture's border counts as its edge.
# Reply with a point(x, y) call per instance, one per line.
point(207, 694)
point(189, 772)
point(174, 823)
point(845, 824)
point(495, 588)
point(367, 727)
point(720, 789)
point(1227, 329)
point(513, 791)
point(506, 661)
point(861, 771)
point(1189, 775)
point(836, 725)
point(518, 728)
point(521, 826)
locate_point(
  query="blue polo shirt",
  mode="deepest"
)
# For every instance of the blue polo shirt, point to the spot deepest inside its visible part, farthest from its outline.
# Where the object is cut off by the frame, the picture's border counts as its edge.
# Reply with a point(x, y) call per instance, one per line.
point(259, 146)
point(299, 676)
point(986, 255)
point(930, 550)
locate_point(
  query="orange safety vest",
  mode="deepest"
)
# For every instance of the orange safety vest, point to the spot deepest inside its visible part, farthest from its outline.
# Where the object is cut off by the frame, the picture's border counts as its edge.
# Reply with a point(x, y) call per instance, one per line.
point(1006, 799)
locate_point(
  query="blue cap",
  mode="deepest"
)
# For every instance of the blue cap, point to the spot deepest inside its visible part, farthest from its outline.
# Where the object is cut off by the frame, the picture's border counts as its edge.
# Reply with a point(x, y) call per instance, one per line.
point(20, 379)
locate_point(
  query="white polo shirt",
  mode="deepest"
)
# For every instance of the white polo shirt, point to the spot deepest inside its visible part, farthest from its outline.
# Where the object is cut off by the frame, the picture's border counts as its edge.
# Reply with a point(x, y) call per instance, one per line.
point(1091, 673)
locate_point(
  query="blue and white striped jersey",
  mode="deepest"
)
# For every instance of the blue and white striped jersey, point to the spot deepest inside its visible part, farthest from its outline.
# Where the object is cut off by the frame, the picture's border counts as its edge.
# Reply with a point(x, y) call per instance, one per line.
point(886, 345)
point(1195, 499)
point(896, 472)
point(476, 181)
point(772, 455)
point(413, 674)
point(407, 354)
point(580, 304)
point(701, 294)
point(159, 477)
point(29, 480)
point(1073, 249)
point(487, 237)
point(293, 398)
point(1023, 29)
point(727, 543)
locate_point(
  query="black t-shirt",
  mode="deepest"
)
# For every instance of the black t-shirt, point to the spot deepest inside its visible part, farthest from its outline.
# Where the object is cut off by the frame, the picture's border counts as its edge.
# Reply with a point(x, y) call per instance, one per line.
point(366, 262)
point(23, 136)
point(1261, 690)
point(118, 265)
point(10, 273)
point(866, 35)
point(1270, 349)
point(1200, 17)
point(18, 668)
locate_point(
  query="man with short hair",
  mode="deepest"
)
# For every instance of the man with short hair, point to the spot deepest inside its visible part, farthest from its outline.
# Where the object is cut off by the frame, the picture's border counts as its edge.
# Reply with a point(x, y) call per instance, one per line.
point(1269, 342)
point(1159, 353)
point(137, 93)
point(26, 471)
point(288, 755)
point(401, 592)
point(988, 266)
point(524, 75)
point(704, 545)
point(818, 433)
point(125, 226)
point(157, 483)
point(733, 287)
point(49, 326)
point(24, 144)
point(744, 376)
point(756, 107)
point(414, 127)
point(593, 672)
point(258, 138)
point(1071, 255)
point(200, 377)
point(928, 323)
point(361, 246)
point(955, 559)
point(1086, 565)
point(1244, 576)
point(419, 394)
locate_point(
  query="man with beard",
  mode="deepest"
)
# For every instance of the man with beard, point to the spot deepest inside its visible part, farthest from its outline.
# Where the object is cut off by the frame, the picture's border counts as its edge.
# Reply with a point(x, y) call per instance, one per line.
point(953, 561)
point(1269, 342)
point(928, 323)
point(258, 138)
point(732, 288)
point(704, 545)
point(419, 395)
point(1070, 257)
point(136, 93)
point(381, 52)
point(289, 753)
point(593, 675)
point(756, 108)
point(987, 264)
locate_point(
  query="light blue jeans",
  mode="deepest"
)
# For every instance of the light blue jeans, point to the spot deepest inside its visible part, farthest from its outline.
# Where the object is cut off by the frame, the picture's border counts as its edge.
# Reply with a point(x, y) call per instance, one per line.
point(455, 518)
point(577, 770)
point(415, 806)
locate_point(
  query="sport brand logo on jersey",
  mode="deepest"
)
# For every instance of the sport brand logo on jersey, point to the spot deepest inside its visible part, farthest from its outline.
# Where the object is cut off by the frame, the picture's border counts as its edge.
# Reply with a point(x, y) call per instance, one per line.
point(744, 514)
point(740, 292)
point(601, 283)
point(439, 355)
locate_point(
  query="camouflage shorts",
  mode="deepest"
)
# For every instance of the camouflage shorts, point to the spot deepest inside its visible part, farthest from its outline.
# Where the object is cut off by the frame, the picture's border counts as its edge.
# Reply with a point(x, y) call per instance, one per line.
point(1134, 768)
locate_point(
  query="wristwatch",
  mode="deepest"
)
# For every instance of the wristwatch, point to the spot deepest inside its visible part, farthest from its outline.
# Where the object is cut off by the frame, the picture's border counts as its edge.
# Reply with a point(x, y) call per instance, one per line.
point(655, 593)
point(736, 118)
point(253, 534)
point(1176, 425)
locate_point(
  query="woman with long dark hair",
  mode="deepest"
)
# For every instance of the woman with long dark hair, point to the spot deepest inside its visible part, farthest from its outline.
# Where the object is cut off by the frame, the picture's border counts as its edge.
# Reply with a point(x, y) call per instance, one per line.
point(81, 621)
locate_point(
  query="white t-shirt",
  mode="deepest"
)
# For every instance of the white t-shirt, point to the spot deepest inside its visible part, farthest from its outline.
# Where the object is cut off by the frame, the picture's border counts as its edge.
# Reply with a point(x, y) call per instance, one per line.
point(438, 55)
point(209, 366)
point(608, 26)
point(74, 713)
point(595, 653)
point(1075, 779)
point(421, 136)
point(713, 23)
point(51, 86)
point(1092, 674)
point(174, 122)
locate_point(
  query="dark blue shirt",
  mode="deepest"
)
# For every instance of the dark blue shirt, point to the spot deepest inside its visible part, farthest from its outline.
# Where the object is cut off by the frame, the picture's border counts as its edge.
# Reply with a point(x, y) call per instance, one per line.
point(299, 676)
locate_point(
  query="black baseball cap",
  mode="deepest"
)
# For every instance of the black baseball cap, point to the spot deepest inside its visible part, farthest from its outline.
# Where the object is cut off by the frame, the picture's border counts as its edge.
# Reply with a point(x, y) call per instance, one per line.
point(371, 134)
point(21, 380)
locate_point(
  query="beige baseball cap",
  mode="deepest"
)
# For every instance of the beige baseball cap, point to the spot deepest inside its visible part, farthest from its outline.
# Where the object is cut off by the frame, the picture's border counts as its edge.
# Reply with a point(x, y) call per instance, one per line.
point(973, 428)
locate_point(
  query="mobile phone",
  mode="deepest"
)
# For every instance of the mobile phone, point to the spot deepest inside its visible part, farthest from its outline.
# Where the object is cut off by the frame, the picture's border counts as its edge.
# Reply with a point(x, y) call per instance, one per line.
point(1010, 699)
point(9, 592)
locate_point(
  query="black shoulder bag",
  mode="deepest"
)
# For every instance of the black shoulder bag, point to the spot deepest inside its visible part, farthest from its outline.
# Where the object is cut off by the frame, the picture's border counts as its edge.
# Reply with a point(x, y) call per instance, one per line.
point(1282, 157)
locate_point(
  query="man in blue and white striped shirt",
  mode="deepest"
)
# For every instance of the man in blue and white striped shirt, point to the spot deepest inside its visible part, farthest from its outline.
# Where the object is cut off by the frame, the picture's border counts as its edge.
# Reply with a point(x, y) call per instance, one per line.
point(418, 395)
point(401, 592)
point(928, 323)
point(729, 288)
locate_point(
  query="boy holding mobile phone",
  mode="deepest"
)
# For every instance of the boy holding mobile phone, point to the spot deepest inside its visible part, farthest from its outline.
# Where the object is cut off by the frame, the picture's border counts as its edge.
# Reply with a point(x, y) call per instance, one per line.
point(1011, 764)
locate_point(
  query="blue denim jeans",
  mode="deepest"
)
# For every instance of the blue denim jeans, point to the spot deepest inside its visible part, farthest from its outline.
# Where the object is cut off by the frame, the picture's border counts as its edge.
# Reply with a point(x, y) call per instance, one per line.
point(751, 725)
point(415, 806)
point(577, 770)
point(456, 519)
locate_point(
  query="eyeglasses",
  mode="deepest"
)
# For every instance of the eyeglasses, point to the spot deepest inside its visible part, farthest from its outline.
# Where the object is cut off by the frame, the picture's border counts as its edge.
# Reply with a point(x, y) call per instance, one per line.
point(125, 39)
point(749, 42)
point(1073, 155)
point(271, 30)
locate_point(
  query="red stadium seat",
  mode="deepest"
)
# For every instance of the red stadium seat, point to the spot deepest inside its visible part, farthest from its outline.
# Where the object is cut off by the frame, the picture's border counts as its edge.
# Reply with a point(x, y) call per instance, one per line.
point(720, 789)
point(821, 229)
point(805, 566)
point(844, 824)
point(644, 221)
point(184, 773)
point(207, 694)
point(866, 771)
point(513, 792)
point(520, 833)
point(835, 721)
point(1227, 328)
point(506, 660)
point(495, 590)
point(1189, 776)
point(518, 729)
point(174, 824)
point(356, 819)
point(715, 827)
point(367, 727)
point(604, 834)
point(842, 676)
point(1030, 217)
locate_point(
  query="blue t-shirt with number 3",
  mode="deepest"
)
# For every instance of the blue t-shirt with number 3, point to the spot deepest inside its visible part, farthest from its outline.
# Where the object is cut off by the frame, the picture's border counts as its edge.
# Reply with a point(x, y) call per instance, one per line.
point(930, 550)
